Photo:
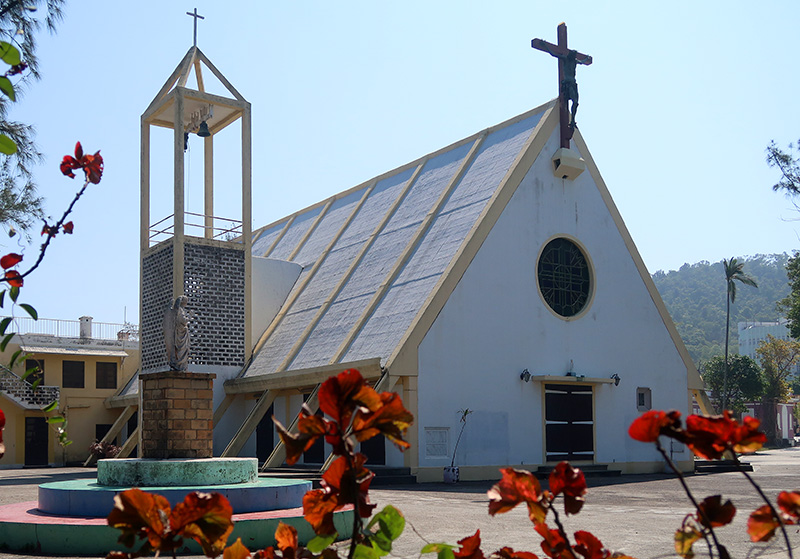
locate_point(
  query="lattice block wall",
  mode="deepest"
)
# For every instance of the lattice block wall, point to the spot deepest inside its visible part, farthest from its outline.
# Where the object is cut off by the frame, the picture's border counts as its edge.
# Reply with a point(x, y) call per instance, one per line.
point(214, 282)
point(156, 299)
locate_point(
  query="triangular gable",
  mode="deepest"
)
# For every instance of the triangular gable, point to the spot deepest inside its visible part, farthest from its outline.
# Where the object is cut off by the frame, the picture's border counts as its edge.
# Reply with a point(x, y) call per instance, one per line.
point(190, 63)
point(373, 255)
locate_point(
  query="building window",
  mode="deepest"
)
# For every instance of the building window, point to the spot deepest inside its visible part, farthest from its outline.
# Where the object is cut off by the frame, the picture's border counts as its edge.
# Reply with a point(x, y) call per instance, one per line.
point(37, 368)
point(437, 442)
point(644, 399)
point(72, 374)
point(106, 375)
point(564, 277)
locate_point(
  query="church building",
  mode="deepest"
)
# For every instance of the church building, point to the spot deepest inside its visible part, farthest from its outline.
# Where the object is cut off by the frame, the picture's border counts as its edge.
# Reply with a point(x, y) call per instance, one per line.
point(494, 275)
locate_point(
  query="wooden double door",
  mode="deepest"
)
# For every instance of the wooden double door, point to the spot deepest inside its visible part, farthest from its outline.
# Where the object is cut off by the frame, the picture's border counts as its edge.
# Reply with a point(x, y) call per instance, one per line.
point(569, 422)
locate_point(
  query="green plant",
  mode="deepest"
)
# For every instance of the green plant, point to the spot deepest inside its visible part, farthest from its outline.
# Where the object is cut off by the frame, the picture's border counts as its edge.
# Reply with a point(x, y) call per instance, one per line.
point(463, 420)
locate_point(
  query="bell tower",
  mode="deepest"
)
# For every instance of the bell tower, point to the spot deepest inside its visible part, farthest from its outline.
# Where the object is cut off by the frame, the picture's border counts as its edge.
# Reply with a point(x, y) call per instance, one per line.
point(205, 257)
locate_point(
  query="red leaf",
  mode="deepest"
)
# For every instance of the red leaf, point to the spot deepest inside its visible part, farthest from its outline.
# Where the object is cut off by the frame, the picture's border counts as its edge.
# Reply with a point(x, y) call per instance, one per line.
point(69, 164)
point(318, 508)
point(648, 426)
point(143, 515)
point(391, 419)
point(311, 428)
point(762, 524)
point(14, 278)
point(746, 437)
point(788, 501)
point(235, 551)
point(286, 538)
point(339, 396)
point(352, 484)
point(93, 167)
point(509, 553)
point(10, 260)
point(589, 546)
point(712, 510)
point(570, 481)
point(710, 437)
point(206, 518)
point(515, 487)
point(78, 151)
point(470, 547)
point(554, 544)
point(67, 227)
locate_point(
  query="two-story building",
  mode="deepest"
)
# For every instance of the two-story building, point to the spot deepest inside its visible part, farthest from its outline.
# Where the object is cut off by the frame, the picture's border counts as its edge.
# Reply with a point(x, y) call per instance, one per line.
point(80, 364)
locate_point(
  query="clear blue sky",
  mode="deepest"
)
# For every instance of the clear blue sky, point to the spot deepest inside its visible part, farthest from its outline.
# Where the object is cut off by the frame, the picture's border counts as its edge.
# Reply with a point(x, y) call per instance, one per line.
point(677, 109)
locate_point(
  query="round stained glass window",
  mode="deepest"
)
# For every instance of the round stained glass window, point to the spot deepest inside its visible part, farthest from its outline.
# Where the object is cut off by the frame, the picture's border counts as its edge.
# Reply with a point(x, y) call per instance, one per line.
point(564, 277)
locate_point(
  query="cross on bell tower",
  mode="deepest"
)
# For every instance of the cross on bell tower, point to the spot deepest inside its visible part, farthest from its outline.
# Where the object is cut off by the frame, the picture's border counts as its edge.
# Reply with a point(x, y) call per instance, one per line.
point(205, 257)
point(196, 16)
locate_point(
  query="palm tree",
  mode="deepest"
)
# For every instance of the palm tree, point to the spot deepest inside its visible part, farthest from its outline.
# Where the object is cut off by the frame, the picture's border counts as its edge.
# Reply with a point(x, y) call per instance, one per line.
point(733, 273)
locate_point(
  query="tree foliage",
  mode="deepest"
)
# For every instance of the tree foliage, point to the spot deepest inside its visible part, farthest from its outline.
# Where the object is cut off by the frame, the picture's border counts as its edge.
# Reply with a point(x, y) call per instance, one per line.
point(20, 21)
point(745, 383)
point(697, 305)
point(789, 166)
point(778, 359)
point(790, 305)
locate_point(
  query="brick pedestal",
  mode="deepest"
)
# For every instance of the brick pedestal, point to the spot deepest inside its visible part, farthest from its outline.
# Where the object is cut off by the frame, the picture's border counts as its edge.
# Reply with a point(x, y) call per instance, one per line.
point(177, 415)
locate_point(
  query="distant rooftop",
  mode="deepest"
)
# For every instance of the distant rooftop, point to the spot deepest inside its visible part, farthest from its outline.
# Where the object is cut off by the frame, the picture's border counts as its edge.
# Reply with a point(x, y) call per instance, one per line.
point(83, 328)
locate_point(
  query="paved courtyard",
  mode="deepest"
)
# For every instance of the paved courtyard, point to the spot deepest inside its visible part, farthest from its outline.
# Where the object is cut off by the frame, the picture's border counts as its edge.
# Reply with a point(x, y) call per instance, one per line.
point(636, 515)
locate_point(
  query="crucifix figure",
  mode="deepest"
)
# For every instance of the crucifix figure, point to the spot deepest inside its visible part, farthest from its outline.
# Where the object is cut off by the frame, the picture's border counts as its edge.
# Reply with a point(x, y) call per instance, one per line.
point(568, 61)
point(196, 16)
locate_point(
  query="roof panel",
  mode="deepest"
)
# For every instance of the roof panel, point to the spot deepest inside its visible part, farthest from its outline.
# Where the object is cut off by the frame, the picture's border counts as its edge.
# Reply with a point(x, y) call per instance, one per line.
point(294, 235)
point(440, 244)
point(264, 241)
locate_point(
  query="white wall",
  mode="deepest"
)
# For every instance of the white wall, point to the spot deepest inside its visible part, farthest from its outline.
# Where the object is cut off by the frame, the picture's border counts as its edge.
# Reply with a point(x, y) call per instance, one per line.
point(495, 324)
point(272, 281)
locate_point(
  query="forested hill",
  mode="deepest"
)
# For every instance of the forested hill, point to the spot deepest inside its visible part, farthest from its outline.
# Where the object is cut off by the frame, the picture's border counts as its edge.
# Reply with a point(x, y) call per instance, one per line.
point(695, 297)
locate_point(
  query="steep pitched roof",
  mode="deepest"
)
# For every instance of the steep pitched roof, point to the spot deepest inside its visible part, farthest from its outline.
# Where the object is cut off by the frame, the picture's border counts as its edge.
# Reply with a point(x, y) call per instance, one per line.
point(374, 255)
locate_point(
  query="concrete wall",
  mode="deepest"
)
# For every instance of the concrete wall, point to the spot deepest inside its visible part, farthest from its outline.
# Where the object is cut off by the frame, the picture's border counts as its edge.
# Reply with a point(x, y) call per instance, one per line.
point(495, 324)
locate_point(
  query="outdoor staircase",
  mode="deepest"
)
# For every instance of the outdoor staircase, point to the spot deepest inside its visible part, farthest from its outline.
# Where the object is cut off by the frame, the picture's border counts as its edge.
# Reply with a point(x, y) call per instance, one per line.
point(384, 475)
point(19, 391)
point(719, 466)
point(589, 470)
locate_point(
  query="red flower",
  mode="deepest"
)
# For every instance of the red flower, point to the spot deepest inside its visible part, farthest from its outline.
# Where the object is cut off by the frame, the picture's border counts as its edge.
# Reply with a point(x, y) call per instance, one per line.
point(10, 260)
point(648, 426)
point(92, 165)
point(14, 279)
point(67, 227)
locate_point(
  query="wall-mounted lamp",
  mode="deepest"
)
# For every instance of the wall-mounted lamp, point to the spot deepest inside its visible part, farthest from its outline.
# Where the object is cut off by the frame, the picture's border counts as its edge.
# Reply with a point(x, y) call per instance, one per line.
point(525, 375)
point(616, 378)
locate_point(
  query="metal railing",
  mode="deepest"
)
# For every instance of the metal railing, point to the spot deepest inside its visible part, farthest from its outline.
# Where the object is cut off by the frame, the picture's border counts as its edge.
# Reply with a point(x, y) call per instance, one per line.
point(165, 228)
point(72, 328)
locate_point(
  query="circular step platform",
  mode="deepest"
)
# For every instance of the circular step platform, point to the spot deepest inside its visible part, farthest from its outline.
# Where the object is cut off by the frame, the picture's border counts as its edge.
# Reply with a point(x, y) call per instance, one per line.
point(24, 529)
point(87, 498)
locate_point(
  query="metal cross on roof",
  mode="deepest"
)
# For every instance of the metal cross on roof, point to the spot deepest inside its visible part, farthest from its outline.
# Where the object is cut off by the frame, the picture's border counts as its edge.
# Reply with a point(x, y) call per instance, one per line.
point(567, 85)
point(196, 16)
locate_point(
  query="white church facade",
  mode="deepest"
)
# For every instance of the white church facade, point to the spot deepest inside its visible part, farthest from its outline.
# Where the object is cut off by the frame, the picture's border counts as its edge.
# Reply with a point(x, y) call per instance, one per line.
point(495, 274)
